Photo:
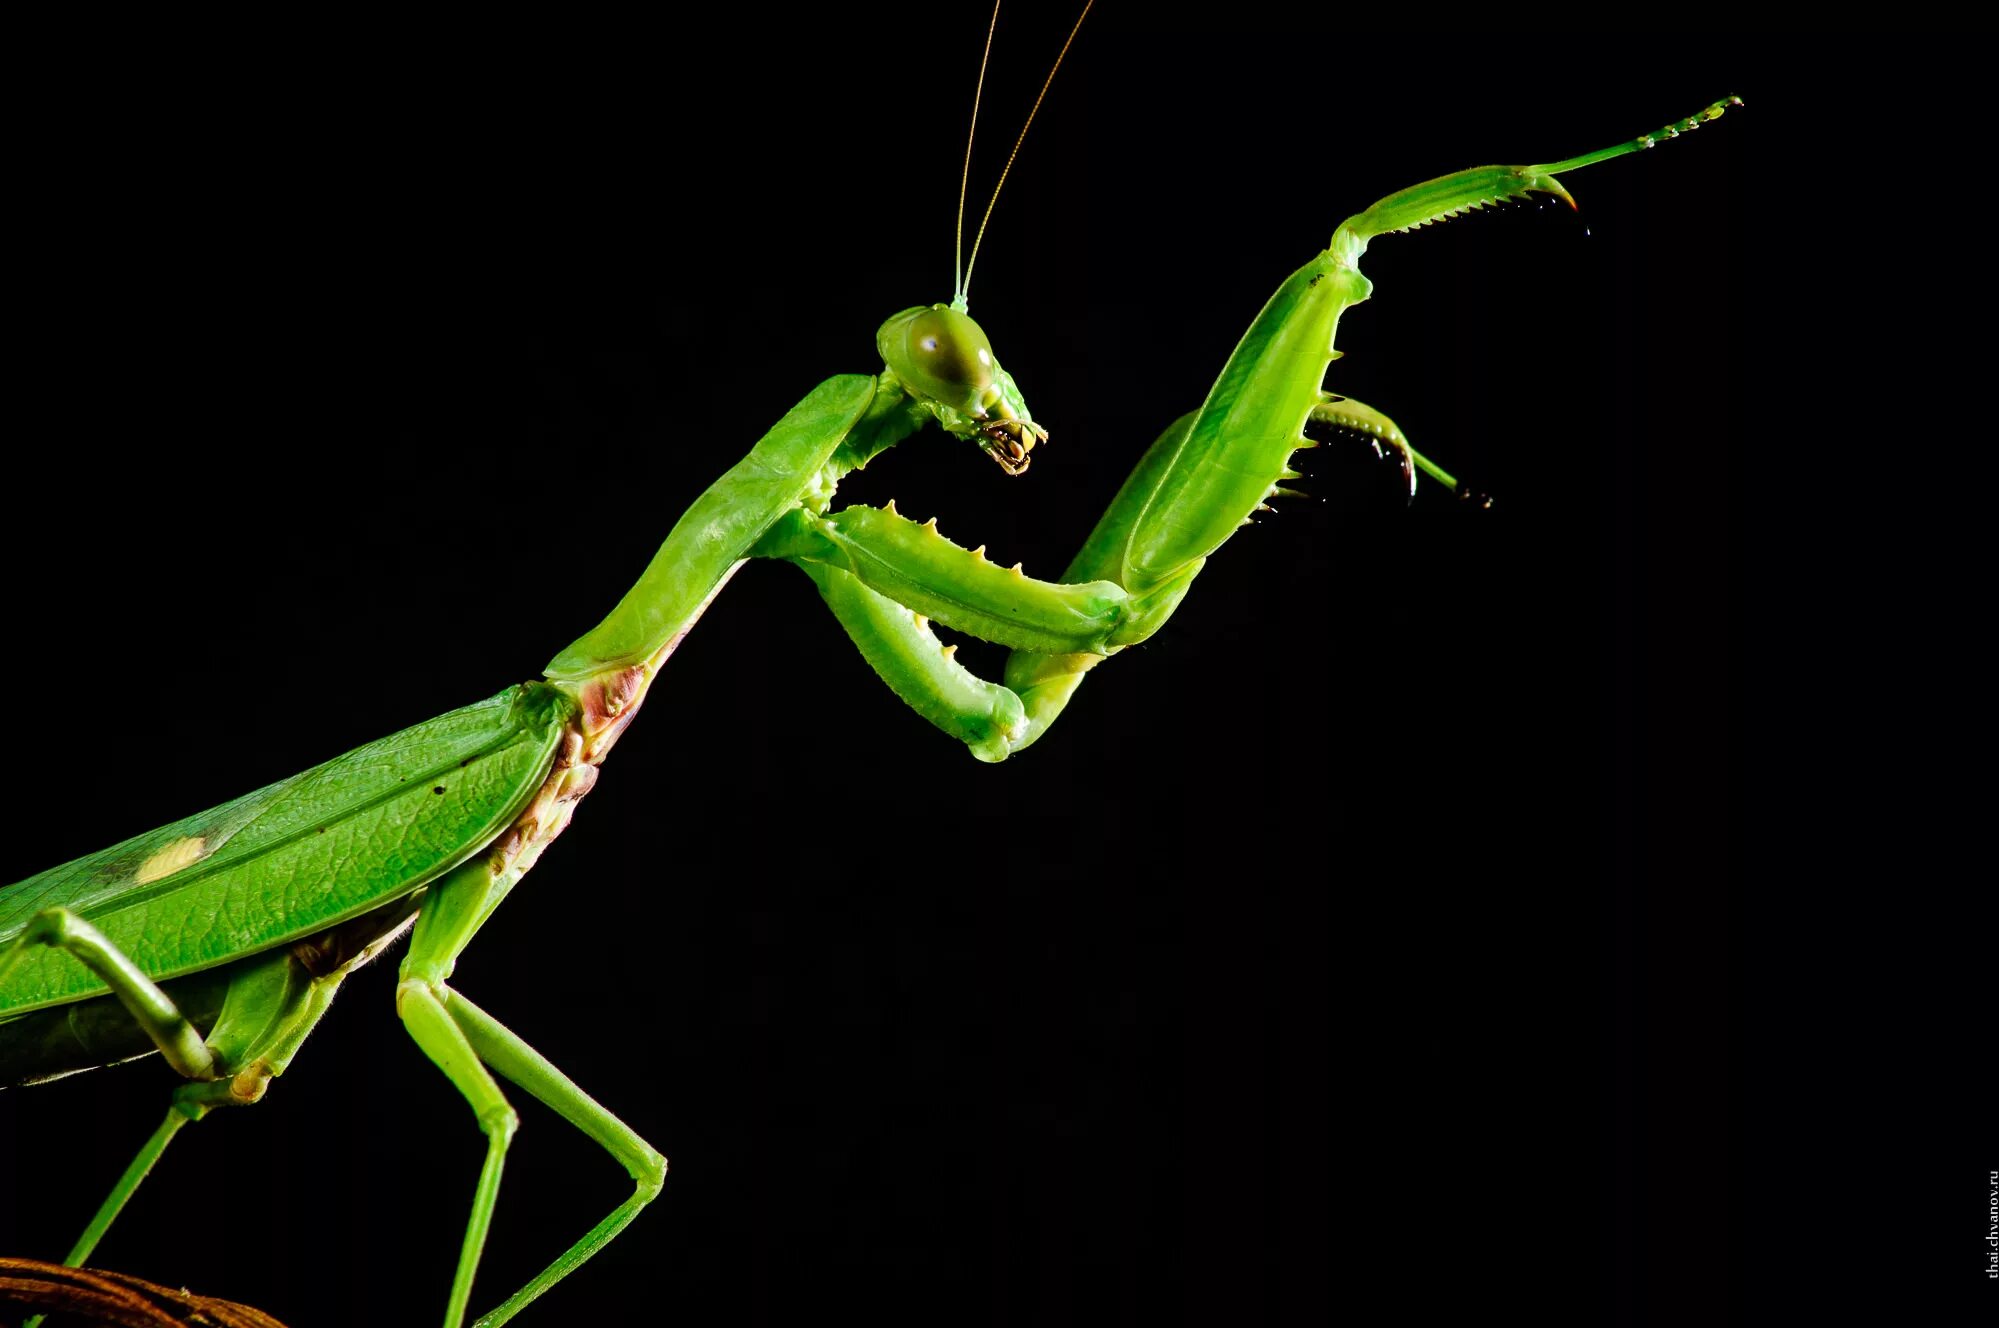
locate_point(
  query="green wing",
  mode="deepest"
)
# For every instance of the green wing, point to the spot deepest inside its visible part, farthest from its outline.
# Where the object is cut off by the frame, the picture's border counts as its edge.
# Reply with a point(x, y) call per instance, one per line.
point(297, 856)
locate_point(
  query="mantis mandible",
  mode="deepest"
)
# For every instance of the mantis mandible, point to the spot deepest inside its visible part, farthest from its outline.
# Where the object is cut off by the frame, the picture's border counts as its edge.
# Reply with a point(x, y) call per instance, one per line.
point(1062, 440)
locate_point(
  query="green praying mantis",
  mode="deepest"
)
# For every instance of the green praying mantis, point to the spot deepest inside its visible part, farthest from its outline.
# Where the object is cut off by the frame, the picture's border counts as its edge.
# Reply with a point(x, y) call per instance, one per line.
point(524, 754)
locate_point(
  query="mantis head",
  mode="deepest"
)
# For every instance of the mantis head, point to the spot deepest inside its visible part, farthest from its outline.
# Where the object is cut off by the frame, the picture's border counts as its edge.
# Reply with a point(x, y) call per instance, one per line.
point(940, 356)
point(944, 361)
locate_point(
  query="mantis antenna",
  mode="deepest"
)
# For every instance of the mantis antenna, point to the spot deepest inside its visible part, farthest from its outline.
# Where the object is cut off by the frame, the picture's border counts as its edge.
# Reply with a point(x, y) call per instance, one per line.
point(965, 285)
point(965, 178)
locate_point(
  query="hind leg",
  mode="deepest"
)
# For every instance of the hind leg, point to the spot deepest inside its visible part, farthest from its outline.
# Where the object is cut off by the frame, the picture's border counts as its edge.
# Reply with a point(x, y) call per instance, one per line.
point(267, 1011)
point(260, 1011)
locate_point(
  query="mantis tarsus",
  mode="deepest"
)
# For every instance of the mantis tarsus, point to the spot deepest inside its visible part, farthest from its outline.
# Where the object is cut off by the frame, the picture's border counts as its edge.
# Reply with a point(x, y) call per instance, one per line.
point(844, 719)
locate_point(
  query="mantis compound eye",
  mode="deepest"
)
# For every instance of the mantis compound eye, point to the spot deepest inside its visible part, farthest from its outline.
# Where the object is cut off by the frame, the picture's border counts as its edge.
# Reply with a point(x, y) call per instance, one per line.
point(941, 354)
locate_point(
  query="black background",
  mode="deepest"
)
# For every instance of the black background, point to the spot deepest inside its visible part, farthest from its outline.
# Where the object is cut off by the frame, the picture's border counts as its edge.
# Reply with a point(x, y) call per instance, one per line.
point(1378, 930)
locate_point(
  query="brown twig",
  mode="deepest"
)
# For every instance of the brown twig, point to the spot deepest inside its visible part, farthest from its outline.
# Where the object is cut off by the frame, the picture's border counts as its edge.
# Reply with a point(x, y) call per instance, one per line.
point(93, 1296)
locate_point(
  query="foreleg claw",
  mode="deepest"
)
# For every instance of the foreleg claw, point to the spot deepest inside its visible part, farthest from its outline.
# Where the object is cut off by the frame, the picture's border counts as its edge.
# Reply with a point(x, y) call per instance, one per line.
point(1336, 414)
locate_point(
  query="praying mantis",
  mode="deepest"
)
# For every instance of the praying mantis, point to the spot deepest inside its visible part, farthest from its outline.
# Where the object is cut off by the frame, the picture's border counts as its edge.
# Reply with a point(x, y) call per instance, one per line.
point(818, 708)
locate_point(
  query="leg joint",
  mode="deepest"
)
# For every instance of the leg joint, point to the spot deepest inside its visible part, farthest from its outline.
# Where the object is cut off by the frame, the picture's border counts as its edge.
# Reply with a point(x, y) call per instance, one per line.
point(649, 1175)
point(249, 1084)
point(244, 1088)
point(500, 1123)
point(437, 991)
point(51, 926)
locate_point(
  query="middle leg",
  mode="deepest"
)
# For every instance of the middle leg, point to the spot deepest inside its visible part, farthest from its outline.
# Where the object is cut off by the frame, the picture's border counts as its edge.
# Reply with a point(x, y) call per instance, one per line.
point(470, 1046)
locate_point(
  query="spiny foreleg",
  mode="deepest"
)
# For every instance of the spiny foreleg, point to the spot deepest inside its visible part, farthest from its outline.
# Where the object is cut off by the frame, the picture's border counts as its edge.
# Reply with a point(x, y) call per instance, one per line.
point(1338, 416)
point(1195, 487)
point(1207, 474)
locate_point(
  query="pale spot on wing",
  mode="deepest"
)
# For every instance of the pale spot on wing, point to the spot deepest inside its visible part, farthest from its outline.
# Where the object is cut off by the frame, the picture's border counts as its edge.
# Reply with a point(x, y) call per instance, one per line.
point(182, 852)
